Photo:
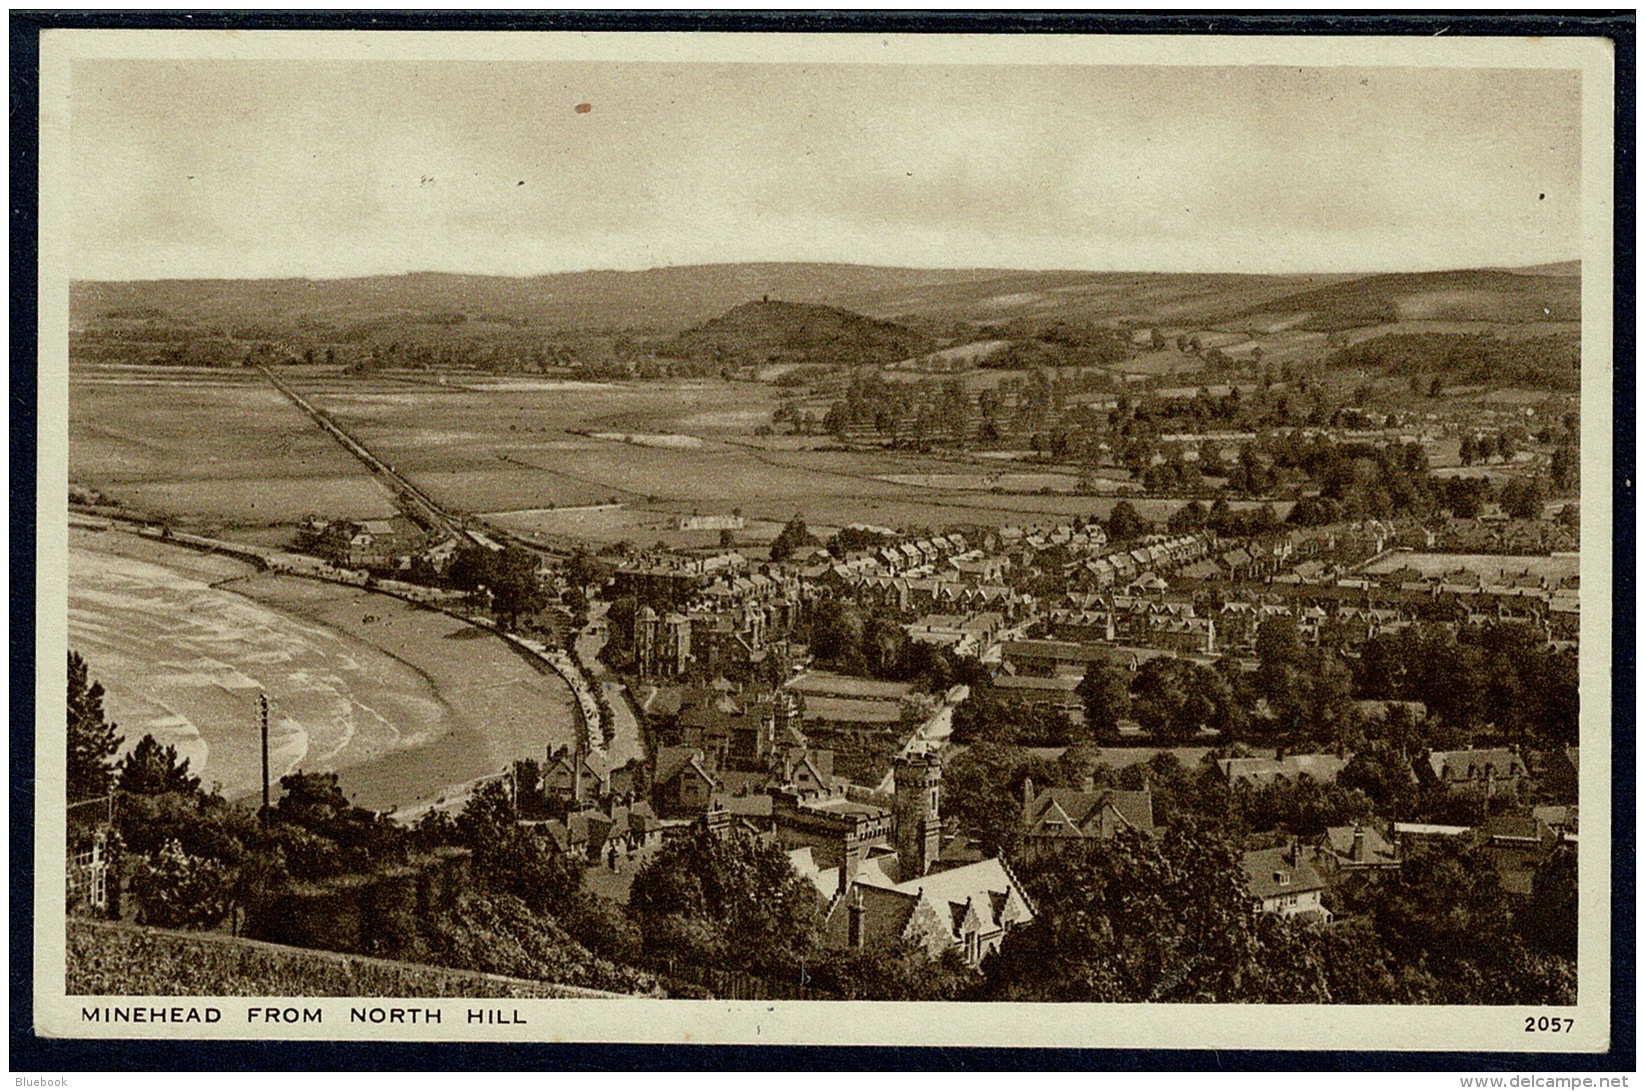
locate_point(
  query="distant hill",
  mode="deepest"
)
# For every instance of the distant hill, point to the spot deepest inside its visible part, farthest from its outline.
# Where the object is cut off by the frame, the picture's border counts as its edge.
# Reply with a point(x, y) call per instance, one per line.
point(1171, 299)
point(660, 300)
point(669, 300)
point(1472, 295)
point(1552, 269)
point(770, 331)
point(1539, 363)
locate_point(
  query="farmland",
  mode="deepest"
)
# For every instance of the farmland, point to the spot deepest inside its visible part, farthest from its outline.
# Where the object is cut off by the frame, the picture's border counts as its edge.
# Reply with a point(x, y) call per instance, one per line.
point(550, 460)
point(642, 453)
point(512, 429)
point(209, 448)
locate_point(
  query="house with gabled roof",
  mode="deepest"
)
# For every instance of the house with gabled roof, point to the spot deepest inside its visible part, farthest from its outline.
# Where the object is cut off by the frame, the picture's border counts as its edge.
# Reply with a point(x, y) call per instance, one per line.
point(808, 773)
point(1055, 818)
point(1559, 817)
point(627, 829)
point(569, 835)
point(1353, 850)
point(1280, 881)
point(685, 781)
point(1490, 771)
point(968, 908)
point(1236, 563)
point(1518, 845)
point(885, 875)
point(576, 775)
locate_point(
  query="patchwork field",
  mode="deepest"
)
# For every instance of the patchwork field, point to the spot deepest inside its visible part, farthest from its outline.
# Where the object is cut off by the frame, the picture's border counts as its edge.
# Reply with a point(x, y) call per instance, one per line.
point(404, 702)
point(211, 447)
point(1006, 482)
point(642, 454)
point(225, 450)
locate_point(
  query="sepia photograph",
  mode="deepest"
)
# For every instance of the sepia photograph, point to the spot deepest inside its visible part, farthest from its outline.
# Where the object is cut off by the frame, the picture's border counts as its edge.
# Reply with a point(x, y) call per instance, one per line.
point(1086, 538)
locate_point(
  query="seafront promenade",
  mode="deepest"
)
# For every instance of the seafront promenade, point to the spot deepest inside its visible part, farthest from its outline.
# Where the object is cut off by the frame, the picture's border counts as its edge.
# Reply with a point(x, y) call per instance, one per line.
point(384, 685)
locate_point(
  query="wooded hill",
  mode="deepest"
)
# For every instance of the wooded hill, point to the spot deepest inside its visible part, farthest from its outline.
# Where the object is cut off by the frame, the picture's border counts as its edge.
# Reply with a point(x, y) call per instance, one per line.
point(767, 332)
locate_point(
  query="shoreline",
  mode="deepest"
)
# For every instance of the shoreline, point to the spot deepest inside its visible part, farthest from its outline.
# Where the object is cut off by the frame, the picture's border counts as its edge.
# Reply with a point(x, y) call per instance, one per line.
point(458, 703)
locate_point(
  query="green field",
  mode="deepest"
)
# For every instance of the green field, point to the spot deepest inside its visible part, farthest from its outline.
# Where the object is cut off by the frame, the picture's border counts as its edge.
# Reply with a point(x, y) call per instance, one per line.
point(226, 451)
point(507, 434)
point(216, 448)
point(523, 453)
point(1489, 565)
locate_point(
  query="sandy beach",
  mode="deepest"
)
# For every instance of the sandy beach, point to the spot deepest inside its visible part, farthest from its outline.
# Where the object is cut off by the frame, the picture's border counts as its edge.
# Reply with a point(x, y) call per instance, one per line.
point(405, 703)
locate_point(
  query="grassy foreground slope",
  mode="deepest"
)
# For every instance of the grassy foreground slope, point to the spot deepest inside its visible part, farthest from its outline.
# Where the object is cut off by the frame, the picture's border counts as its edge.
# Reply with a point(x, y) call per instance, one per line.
point(109, 959)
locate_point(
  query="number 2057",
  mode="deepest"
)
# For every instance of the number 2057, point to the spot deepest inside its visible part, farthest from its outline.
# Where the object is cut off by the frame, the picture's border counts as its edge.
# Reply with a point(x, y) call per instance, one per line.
point(1548, 1024)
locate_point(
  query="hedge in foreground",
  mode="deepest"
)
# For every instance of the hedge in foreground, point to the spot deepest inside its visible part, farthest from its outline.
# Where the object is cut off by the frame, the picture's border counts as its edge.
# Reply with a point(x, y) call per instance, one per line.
point(108, 959)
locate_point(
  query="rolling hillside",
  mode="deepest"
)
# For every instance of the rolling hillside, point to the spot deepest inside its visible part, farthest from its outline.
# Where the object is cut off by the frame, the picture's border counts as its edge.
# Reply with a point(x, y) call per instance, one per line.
point(1105, 298)
point(1475, 295)
point(670, 300)
point(661, 300)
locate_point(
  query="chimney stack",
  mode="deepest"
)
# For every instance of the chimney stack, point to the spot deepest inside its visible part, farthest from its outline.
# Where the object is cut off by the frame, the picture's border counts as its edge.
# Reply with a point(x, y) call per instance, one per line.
point(1359, 844)
point(850, 859)
point(1027, 798)
point(854, 923)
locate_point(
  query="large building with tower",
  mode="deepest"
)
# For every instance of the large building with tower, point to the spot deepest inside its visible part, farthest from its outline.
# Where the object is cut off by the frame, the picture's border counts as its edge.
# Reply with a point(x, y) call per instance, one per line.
point(882, 870)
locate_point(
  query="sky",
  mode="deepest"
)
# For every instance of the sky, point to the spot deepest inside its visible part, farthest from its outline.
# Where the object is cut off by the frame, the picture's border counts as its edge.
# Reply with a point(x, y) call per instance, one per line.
point(344, 168)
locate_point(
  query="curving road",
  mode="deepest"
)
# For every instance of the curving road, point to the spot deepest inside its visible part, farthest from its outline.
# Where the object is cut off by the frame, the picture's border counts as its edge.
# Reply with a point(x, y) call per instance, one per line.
point(625, 742)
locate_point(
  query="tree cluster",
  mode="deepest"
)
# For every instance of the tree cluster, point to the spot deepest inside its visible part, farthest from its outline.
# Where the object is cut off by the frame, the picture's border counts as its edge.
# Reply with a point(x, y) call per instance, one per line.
point(1221, 519)
point(856, 640)
point(1496, 676)
point(791, 538)
point(733, 903)
point(982, 717)
point(1160, 920)
point(92, 740)
point(1168, 920)
point(508, 575)
point(1541, 363)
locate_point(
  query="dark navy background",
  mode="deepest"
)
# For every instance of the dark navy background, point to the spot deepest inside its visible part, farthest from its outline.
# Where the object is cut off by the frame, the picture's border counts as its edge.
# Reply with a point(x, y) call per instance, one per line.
point(29, 1053)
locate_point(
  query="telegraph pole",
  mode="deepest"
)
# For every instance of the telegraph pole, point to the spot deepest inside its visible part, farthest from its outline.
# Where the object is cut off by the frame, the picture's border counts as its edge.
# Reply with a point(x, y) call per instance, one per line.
point(262, 708)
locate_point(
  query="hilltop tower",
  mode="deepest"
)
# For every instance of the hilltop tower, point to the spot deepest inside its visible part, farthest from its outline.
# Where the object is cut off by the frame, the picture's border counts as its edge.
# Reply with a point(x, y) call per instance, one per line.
point(917, 784)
